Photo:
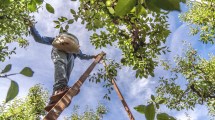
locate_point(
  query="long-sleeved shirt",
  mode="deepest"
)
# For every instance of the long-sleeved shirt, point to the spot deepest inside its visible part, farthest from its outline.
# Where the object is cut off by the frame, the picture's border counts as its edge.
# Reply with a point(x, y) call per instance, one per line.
point(48, 41)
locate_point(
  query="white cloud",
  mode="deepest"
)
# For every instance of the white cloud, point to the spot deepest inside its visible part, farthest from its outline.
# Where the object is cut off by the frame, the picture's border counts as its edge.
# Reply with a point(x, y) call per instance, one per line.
point(176, 45)
point(139, 87)
point(197, 114)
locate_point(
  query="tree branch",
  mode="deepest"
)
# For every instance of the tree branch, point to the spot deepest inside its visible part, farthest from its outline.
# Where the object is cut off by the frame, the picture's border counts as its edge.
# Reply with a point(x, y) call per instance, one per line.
point(6, 75)
point(181, 96)
point(199, 94)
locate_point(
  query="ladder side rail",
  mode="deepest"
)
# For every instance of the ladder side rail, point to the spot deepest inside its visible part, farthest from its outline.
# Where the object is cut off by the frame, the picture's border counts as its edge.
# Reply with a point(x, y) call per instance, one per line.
point(130, 115)
point(123, 100)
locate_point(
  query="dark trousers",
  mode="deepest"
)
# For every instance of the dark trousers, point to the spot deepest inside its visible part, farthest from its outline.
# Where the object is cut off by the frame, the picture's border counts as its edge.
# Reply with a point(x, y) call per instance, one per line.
point(63, 65)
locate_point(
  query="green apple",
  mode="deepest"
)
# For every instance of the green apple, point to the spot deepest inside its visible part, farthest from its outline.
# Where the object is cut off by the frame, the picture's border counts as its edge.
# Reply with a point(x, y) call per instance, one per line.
point(108, 3)
point(92, 1)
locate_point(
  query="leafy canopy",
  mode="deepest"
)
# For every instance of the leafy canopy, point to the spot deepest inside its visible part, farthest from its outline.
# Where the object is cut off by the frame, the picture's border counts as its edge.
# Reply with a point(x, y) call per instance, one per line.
point(29, 108)
point(32, 108)
point(200, 16)
point(89, 113)
point(14, 16)
point(139, 33)
point(199, 74)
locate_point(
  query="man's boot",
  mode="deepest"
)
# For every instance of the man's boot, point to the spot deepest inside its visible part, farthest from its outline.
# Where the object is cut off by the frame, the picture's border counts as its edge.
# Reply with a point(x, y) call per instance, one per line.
point(58, 94)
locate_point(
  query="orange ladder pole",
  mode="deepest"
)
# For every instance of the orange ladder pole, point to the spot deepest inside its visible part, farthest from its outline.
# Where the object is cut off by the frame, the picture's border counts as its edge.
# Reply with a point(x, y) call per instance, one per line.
point(130, 115)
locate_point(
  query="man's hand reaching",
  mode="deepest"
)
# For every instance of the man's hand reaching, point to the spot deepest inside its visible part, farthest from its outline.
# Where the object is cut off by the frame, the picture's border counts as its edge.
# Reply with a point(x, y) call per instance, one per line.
point(95, 56)
point(29, 22)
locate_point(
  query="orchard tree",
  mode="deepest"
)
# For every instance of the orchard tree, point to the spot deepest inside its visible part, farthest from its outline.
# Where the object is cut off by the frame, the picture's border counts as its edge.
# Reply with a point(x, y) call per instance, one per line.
point(201, 17)
point(139, 28)
point(199, 87)
point(198, 72)
point(14, 22)
point(88, 114)
point(14, 17)
point(32, 108)
point(29, 108)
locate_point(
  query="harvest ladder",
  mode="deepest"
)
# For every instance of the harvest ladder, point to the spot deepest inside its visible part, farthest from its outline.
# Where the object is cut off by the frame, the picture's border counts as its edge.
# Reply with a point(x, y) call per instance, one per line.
point(55, 112)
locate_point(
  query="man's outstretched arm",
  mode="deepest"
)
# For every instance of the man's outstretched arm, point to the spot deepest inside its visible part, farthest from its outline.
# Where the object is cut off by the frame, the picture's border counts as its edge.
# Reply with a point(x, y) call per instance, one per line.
point(84, 56)
point(41, 39)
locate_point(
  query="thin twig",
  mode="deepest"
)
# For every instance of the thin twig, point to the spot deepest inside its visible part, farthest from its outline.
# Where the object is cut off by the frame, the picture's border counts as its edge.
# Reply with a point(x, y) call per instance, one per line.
point(6, 75)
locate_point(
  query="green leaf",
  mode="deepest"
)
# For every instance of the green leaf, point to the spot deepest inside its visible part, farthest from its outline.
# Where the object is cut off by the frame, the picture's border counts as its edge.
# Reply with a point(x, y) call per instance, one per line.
point(56, 22)
point(111, 10)
point(62, 19)
point(66, 27)
point(27, 72)
point(7, 68)
point(61, 30)
point(151, 5)
point(168, 5)
point(124, 6)
point(32, 6)
point(141, 1)
point(150, 112)
point(161, 101)
point(82, 22)
point(39, 2)
point(141, 10)
point(13, 91)
point(140, 108)
point(49, 8)
point(184, 1)
point(153, 97)
point(164, 116)
point(57, 26)
point(72, 11)
point(5, 2)
point(70, 21)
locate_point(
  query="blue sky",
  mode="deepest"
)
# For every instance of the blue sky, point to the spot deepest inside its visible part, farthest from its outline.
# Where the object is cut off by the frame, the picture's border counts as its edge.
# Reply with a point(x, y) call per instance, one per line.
point(135, 91)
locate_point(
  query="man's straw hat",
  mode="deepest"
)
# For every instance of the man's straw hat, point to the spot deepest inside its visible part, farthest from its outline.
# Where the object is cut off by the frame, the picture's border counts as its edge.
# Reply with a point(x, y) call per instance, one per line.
point(66, 42)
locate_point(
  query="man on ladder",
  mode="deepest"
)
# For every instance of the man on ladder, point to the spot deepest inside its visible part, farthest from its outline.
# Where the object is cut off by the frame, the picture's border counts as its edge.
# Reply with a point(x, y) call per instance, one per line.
point(65, 50)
